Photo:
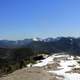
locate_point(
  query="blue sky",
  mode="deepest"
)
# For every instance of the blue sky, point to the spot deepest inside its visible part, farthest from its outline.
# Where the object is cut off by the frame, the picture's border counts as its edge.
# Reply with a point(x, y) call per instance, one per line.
point(21, 19)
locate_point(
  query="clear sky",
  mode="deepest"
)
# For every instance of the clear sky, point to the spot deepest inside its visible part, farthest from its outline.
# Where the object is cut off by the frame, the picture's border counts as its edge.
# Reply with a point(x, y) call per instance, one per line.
point(21, 19)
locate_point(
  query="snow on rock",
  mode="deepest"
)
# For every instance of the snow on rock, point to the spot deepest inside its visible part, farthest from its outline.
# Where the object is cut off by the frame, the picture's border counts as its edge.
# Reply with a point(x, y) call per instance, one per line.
point(48, 60)
point(44, 62)
point(72, 76)
point(66, 65)
point(64, 68)
point(71, 57)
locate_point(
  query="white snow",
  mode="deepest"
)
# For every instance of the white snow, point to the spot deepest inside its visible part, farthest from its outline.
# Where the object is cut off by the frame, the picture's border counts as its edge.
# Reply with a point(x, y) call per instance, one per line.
point(72, 76)
point(29, 65)
point(44, 62)
point(65, 65)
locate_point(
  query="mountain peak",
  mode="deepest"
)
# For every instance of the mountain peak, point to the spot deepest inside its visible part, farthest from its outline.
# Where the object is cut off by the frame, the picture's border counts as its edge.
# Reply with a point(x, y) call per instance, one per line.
point(37, 39)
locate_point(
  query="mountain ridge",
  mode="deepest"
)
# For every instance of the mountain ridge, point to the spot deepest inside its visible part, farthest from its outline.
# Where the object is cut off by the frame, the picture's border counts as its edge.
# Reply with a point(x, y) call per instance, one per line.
point(49, 45)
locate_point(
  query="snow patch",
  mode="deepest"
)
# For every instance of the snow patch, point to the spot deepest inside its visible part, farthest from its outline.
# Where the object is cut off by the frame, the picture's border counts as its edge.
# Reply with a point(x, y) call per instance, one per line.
point(65, 66)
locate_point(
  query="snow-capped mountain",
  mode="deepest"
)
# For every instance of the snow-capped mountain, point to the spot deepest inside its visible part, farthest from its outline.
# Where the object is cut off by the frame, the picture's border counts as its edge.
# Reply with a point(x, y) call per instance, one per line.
point(36, 39)
point(49, 40)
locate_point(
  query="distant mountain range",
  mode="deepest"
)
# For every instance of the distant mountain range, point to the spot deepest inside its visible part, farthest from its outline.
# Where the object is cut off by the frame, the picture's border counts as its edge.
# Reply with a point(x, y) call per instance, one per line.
point(69, 44)
point(11, 43)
